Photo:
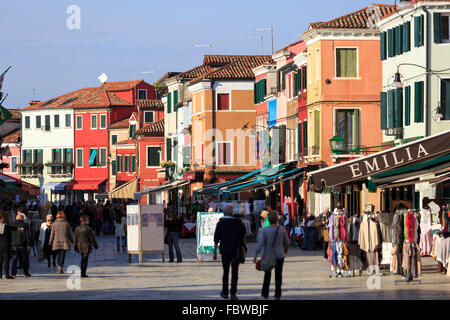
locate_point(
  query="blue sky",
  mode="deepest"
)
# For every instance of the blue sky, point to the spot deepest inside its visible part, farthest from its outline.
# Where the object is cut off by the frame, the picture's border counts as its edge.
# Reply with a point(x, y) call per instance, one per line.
point(142, 35)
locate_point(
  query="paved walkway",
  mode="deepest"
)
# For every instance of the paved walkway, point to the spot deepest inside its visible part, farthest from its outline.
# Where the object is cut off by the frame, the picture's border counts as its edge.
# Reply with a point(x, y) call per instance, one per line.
point(305, 276)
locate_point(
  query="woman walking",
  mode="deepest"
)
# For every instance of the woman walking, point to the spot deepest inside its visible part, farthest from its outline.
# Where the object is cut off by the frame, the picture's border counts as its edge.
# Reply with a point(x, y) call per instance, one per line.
point(172, 224)
point(61, 238)
point(44, 238)
point(274, 237)
point(84, 241)
point(120, 224)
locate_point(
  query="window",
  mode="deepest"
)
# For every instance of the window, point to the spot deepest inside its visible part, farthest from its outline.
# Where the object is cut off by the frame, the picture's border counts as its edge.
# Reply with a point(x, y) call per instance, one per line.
point(445, 99)
point(441, 26)
point(93, 122)
point(113, 139)
point(93, 158)
point(79, 122)
point(224, 153)
point(103, 121)
point(13, 165)
point(169, 102)
point(56, 158)
point(47, 123)
point(68, 120)
point(418, 31)
point(102, 157)
point(346, 63)
point(38, 122)
point(126, 163)
point(153, 156)
point(119, 163)
point(347, 127)
point(132, 130)
point(38, 158)
point(56, 121)
point(142, 93)
point(79, 158)
point(223, 101)
point(68, 156)
point(27, 122)
point(113, 167)
point(133, 163)
point(149, 116)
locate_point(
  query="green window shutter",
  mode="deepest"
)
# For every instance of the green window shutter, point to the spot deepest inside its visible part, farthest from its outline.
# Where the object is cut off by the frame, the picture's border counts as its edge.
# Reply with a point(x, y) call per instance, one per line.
point(283, 80)
point(258, 92)
point(383, 45)
point(254, 93)
point(383, 112)
point(406, 36)
point(175, 100)
point(418, 31)
point(305, 138)
point(398, 40)
point(295, 84)
point(169, 102)
point(390, 109)
point(316, 128)
point(299, 80)
point(304, 78)
point(418, 102)
point(437, 27)
point(113, 167)
point(398, 118)
point(391, 43)
point(264, 88)
point(407, 106)
point(168, 150)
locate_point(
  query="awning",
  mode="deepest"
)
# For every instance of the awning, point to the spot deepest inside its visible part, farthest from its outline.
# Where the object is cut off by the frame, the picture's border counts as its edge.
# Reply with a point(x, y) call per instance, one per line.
point(87, 184)
point(359, 169)
point(281, 175)
point(55, 186)
point(165, 187)
point(125, 191)
point(395, 184)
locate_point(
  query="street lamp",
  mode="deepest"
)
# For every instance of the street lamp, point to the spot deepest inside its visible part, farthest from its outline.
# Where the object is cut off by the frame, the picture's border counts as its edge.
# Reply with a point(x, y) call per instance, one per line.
point(337, 144)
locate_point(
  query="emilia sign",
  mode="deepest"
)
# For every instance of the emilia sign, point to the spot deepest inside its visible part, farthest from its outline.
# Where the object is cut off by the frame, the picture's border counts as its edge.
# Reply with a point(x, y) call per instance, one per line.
point(359, 169)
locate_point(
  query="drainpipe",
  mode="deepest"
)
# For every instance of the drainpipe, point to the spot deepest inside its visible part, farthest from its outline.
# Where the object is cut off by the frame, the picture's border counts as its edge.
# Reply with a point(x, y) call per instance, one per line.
point(428, 43)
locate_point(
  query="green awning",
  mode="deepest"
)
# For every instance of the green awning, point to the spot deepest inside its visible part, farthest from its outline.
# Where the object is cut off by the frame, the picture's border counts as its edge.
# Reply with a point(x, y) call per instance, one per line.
point(413, 167)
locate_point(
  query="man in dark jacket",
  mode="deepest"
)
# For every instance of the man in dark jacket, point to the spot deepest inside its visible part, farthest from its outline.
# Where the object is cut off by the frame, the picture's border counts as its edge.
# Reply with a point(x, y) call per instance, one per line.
point(84, 241)
point(21, 244)
point(230, 233)
point(5, 246)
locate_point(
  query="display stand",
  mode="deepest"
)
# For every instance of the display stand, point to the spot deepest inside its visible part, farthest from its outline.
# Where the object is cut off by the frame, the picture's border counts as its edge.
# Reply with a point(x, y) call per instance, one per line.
point(145, 230)
point(206, 227)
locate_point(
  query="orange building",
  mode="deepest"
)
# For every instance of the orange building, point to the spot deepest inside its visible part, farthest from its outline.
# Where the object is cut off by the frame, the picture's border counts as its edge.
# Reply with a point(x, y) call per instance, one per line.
point(223, 113)
point(344, 83)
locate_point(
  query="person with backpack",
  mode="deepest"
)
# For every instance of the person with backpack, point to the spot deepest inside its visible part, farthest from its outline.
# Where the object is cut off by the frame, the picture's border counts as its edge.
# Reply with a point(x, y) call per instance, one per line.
point(275, 242)
point(230, 233)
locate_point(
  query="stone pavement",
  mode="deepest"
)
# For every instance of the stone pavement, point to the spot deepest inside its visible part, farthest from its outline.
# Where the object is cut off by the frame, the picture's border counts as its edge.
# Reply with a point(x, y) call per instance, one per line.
point(305, 276)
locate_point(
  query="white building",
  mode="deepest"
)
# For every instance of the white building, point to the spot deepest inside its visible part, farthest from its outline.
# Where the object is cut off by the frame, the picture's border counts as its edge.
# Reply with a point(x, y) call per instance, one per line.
point(47, 150)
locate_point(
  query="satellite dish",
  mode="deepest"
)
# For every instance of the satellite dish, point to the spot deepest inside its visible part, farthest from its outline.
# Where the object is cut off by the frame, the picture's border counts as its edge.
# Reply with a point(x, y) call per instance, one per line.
point(103, 78)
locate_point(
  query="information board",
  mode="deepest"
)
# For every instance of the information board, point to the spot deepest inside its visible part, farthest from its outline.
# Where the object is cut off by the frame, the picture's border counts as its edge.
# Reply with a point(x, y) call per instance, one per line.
point(206, 226)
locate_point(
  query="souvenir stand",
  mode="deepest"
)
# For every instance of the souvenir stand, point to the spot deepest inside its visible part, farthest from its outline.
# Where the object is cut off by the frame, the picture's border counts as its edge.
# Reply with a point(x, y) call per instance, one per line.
point(145, 230)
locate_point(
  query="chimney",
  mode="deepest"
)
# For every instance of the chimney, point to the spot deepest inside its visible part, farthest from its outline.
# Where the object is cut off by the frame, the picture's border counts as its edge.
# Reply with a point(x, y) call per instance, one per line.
point(33, 102)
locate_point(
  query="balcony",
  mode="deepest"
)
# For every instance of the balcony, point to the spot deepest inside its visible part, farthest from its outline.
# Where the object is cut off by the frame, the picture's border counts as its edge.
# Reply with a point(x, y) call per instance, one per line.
point(60, 169)
point(31, 169)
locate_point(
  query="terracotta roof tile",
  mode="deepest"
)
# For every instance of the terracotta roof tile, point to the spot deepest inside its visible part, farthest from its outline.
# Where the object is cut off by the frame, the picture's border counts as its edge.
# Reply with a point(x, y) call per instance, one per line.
point(354, 20)
point(120, 124)
point(156, 128)
point(120, 85)
point(85, 98)
point(16, 115)
point(150, 104)
point(13, 136)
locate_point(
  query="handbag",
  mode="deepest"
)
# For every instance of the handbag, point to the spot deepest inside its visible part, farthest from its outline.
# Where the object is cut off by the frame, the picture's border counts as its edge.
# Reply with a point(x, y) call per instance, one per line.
point(326, 235)
point(268, 259)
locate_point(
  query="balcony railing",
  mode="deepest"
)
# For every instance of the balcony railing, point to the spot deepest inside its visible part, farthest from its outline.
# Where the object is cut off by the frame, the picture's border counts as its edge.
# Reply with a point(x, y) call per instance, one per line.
point(31, 169)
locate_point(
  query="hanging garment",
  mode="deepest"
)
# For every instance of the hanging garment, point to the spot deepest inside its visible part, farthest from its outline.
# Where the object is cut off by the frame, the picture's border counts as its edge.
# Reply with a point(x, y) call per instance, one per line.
point(410, 225)
point(337, 227)
point(397, 258)
point(399, 237)
point(372, 258)
point(355, 228)
point(340, 255)
point(331, 225)
point(368, 239)
point(394, 229)
point(385, 219)
point(409, 263)
point(386, 253)
point(354, 257)
point(334, 255)
point(426, 234)
point(443, 251)
point(342, 228)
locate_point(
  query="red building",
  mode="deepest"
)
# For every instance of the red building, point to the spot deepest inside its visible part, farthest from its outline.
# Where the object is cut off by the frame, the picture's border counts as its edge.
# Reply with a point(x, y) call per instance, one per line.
point(113, 101)
point(150, 141)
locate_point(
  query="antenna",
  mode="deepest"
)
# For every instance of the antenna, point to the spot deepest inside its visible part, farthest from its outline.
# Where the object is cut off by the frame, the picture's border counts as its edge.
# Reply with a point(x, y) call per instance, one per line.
point(102, 78)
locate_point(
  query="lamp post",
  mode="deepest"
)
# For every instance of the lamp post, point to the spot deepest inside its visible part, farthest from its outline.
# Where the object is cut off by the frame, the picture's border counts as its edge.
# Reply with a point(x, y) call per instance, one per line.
point(337, 144)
